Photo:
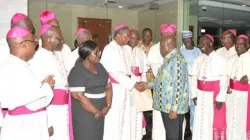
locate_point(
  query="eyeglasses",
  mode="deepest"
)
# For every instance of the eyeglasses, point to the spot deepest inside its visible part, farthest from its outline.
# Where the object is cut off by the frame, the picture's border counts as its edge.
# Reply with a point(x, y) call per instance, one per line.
point(35, 42)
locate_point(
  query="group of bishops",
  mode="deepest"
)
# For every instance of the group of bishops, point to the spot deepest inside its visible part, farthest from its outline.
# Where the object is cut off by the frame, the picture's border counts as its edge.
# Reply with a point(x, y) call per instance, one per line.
point(36, 103)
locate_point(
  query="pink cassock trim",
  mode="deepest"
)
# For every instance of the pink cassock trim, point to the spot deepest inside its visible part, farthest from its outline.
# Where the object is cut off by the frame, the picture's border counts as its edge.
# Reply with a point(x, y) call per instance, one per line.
point(236, 85)
point(23, 110)
point(219, 120)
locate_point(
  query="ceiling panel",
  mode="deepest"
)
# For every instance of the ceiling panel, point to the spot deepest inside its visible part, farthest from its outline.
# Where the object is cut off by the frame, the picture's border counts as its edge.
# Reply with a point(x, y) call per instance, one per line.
point(100, 3)
point(222, 16)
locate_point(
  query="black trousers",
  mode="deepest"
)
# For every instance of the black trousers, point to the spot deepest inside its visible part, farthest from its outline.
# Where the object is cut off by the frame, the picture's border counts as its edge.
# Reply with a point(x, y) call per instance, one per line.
point(173, 128)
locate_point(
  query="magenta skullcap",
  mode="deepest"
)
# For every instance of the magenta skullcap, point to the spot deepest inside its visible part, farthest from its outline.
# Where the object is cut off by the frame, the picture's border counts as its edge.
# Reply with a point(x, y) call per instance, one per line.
point(44, 28)
point(243, 36)
point(46, 16)
point(119, 26)
point(232, 31)
point(80, 30)
point(17, 17)
point(210, 36)
point(17, 32)
point(165, 28)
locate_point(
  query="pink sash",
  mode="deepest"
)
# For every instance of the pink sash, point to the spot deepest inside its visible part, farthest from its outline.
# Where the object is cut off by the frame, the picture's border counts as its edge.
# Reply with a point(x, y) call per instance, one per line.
point(219, 121)
point(236, 85)
point(136, 71)
point(23, 110)
point(62, 97)
point(112, 80)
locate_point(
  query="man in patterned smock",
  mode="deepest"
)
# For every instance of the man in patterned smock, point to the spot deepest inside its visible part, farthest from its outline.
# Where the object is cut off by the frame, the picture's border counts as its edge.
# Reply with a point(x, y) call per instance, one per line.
point(171, 88)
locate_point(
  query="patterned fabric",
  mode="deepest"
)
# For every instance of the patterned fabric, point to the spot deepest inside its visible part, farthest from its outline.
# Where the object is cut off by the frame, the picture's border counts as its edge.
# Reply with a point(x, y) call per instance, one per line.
point(145, 48)
point(171, 85)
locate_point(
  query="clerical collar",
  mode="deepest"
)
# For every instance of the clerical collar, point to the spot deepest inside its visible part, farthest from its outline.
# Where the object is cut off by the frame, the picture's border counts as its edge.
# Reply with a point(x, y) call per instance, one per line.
point(230, 49)
point(45, 50)
point(115, 43)
point(211, 54)
point(19, 60)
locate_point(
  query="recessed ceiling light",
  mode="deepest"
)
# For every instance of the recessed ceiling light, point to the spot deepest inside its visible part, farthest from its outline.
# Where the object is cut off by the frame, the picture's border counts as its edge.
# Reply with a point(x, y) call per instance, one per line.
point(120, 6)
point(244, 5)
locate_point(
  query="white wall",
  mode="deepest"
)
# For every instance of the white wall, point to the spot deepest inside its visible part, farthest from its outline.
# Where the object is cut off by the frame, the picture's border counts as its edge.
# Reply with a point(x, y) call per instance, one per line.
point(7, 9)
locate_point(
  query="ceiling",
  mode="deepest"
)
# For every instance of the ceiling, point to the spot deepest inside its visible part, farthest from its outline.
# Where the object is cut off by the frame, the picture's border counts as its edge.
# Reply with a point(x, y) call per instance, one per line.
point(100, 3)
point(222, 13)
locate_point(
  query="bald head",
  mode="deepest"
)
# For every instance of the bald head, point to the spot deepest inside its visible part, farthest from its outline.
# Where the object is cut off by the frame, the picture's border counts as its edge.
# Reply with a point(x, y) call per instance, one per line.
point(84, 36)
point(134, 38)
point(167, 44)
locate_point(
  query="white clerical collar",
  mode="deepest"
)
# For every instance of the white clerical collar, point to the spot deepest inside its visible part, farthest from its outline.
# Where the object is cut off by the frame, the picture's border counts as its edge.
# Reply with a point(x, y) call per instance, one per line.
point(211, 54)
point(115, 43)
point(231, 49)
point(45, 50)
point(19, 60)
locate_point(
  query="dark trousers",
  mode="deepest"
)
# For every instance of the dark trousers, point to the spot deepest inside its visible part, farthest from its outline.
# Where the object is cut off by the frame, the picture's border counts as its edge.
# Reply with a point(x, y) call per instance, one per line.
point(173, 128)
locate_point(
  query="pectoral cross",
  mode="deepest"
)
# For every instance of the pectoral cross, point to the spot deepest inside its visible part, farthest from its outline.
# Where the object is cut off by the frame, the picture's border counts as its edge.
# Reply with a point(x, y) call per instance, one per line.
point(204, 78)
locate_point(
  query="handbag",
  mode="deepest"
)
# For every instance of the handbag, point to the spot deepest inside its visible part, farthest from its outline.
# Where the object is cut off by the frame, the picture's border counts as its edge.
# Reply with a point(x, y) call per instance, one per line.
point(144, 100)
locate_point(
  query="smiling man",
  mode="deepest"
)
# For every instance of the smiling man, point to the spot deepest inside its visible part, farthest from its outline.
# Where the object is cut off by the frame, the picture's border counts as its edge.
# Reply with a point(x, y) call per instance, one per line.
point(238, 99)
point(209, 86)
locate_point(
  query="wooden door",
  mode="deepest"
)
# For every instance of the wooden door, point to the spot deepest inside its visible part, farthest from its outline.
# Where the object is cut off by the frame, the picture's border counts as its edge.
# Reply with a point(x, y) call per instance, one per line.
point(100, 28)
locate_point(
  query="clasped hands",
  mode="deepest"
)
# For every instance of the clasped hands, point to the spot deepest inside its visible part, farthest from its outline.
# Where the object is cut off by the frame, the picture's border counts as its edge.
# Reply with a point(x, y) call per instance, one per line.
point(104, 112)
point(140, 86)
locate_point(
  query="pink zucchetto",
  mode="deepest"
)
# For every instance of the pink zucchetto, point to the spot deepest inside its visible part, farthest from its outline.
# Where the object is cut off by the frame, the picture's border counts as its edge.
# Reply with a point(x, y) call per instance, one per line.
point(46, 16)
point(170, 28)
point(17, 17)
point(44, 28)
point(80, 30)
point(232, 31)
point(119, 26)
point(243, 36)
point(17, 32)
point(132, 29)
point(211, 37)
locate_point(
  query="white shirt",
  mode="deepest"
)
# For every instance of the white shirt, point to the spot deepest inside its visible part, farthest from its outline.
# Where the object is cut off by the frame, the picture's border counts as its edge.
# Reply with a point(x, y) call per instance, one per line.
point(137, 58)
point(114, 62)
point(155, 59)
point(226, 53)
point(4, 51)
point(46, 63)
point(72, 59)
point(210, 68)
point(238, 66)
point(63, 54)
point(19, 86)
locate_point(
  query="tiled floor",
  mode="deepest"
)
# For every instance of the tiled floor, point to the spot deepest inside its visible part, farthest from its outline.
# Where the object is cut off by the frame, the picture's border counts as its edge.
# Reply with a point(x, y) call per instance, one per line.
point(188, 135)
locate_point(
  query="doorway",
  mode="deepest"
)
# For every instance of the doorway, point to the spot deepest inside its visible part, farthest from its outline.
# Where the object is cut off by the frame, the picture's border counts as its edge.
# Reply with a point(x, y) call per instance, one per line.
point(100, 28)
